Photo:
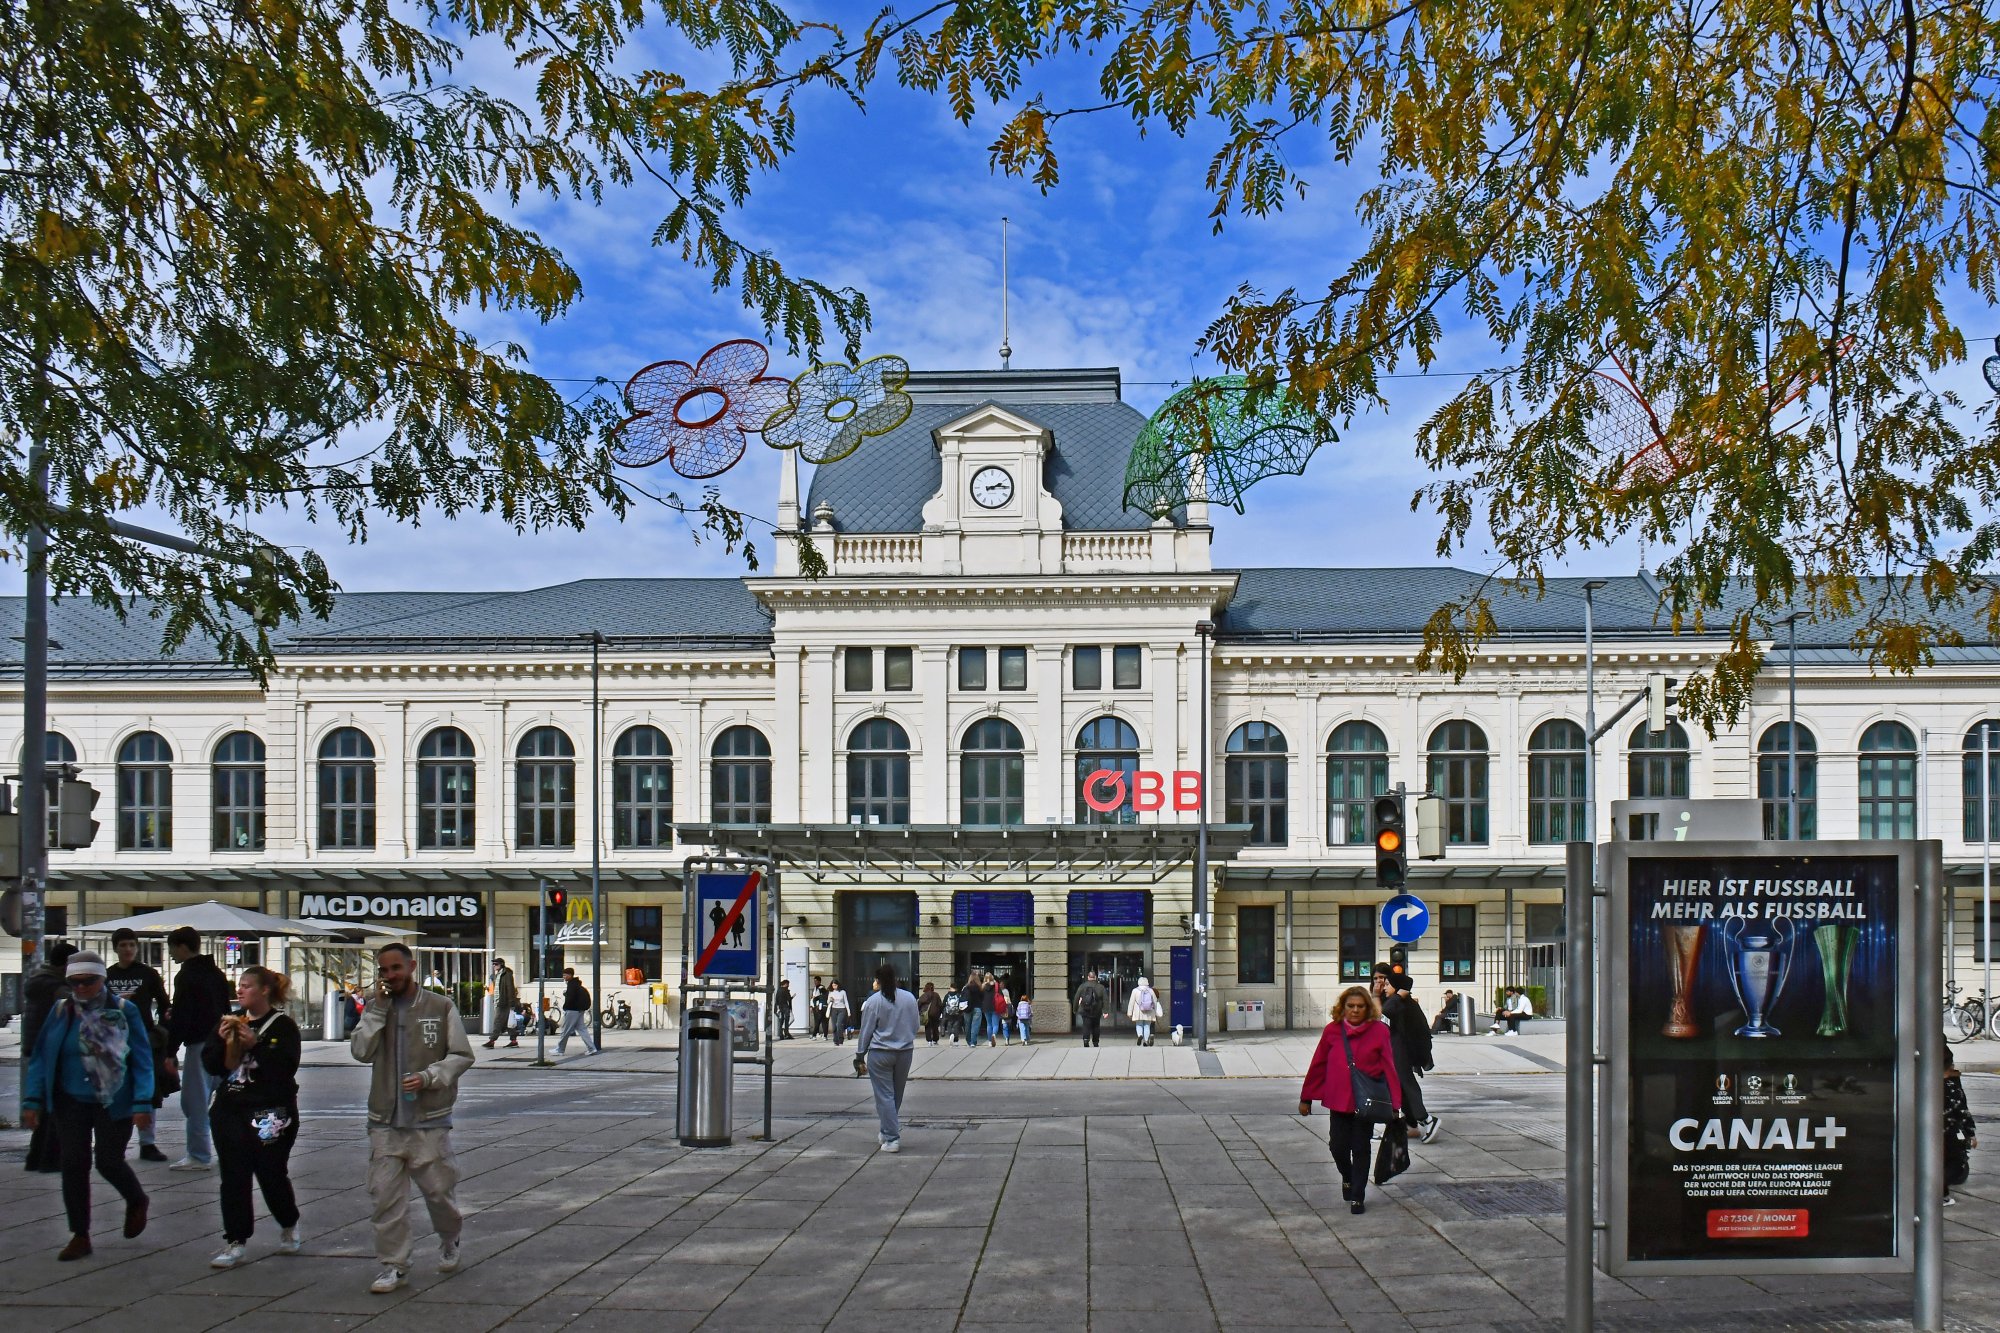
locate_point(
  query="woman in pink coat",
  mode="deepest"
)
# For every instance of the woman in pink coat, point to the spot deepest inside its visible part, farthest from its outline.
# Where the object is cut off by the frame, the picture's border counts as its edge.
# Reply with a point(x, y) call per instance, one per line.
point(1328, 1083)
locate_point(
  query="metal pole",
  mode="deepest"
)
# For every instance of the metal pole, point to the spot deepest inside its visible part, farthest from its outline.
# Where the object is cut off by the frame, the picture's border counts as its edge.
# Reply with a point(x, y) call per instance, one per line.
point(1579, 1129)
point(771, 991)
point(1590, 710)
point(1204, 629)
point(1792, 729)
point(596, 855)
point(1985, 860)
point(1929, 1311)
point(1288, 960)
point(34, 801)
point(542, 974)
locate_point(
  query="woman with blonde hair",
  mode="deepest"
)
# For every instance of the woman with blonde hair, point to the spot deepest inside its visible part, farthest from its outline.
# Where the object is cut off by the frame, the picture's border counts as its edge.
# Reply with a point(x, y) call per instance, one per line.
point(1355, 1043)
point(256, 1111)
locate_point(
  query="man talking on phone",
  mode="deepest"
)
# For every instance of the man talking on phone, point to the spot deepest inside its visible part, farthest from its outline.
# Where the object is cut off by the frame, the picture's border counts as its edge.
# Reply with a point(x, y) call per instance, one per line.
point(418, 1050)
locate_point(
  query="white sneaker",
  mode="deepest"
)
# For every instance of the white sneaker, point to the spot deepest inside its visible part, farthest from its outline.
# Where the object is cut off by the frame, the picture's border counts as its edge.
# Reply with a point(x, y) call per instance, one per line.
point(291, 1240)
point(190, 1164)
point(386, 1281)
point(448, 1256)
point(892, 1145)
point(231, 1256)
point(1429, 1129)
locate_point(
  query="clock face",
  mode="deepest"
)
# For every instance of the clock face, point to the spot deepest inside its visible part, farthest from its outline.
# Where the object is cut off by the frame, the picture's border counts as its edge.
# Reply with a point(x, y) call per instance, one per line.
point(992, 487)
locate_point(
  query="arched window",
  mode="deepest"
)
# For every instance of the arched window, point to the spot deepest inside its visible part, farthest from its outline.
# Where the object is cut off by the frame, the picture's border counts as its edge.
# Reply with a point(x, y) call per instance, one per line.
point(1774, 782)
point(1254, 789)
point(1888, 772)
point(740, 777)
point(992, 774)
point(346, 789)
point(545, 789)
point(1556, 762)
point(447, 789)
point(145, 794)
point(1458, 764)
point(878, 773)
point(237, 781)
point(56, 749)
point(1975, 827)
point(1106, 743)
point(642, 789)
point(1657, 766)
point(1357, 767)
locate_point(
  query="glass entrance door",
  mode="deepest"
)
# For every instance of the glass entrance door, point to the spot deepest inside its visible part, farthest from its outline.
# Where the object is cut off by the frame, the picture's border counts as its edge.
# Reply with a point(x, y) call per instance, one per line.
point(1117, 970)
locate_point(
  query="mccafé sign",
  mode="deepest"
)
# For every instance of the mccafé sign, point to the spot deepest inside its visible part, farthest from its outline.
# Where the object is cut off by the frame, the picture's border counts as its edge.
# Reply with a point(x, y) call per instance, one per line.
point(1110, 789)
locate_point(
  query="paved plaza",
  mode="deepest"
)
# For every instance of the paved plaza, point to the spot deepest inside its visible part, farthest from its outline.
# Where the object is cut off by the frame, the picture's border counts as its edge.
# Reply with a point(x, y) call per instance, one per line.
point(1159, 1203)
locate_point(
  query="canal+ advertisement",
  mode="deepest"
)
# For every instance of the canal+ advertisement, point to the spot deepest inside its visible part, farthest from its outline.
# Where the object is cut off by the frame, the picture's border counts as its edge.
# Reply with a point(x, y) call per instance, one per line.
point(1762, 1051)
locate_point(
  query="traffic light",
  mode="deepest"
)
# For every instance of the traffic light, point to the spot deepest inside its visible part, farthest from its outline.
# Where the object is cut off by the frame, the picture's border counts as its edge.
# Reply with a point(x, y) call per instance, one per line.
point(1430, 827)
point(10, 849)
point(75, 799)
point(1660, 701)
point(1392, 853)
point(10, 912)
point(554, 899)
point(1399, 959)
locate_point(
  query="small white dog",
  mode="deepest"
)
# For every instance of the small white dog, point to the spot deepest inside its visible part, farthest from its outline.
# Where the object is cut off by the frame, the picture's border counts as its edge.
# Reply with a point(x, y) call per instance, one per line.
point(1177, 1034)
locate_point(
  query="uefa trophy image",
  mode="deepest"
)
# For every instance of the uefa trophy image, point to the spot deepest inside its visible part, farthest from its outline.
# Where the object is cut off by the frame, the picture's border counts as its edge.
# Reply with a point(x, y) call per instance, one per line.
point(1759, 954)
point(1683, 946)
point(1836, 962)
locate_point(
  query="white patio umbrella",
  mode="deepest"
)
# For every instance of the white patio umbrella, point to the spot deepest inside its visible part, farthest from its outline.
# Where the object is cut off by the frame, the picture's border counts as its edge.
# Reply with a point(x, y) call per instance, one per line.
point(214, 918)
point(355, 930)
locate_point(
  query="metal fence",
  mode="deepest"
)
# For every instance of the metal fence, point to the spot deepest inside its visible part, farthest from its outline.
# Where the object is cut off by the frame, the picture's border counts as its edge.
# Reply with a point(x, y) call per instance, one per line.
point(1523, 965)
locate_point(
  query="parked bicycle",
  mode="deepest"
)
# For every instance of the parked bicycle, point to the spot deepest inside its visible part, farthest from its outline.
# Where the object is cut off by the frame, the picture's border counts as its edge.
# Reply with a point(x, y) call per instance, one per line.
point(1968, 1018)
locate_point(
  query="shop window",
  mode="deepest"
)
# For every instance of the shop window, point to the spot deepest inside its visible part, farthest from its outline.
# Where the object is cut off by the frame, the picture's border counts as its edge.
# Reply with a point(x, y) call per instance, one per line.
point(992, 775)
point(145, 794)
point(1458, 942)
point(740, 777)
point(857, 667)
point(1255, 788)
point(1256, 945)
point(972, 668)
point(1086, 668)
point(642, 789)
point(1013, 668)
point(1774, 782)
point(1458, 772)
point(878, 773)
point(237, 785)
point(1357, 767)
point(1106, 743)
point(1556, 762)
point(1357, 943)
point(346, 790)
point(1975, 787)
point(899, 668)
point(644, 942)
point(1888, 773)
point(447, 789)
point(1125, 667)
point(545, 789)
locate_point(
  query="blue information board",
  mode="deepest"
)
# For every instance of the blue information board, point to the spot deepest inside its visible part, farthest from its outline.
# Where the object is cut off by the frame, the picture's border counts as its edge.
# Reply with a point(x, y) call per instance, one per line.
point(992, 912)
point(1109, 912)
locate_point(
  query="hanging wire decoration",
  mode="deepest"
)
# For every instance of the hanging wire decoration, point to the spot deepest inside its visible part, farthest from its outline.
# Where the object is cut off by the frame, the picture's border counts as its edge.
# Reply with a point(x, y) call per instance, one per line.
point(1991, 369)
point(831, 409)
point(1214, 441)
point(698, 417)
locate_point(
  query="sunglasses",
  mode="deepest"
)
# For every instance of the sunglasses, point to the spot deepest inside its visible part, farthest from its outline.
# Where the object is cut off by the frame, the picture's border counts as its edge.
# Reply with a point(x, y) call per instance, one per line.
point(86, 981)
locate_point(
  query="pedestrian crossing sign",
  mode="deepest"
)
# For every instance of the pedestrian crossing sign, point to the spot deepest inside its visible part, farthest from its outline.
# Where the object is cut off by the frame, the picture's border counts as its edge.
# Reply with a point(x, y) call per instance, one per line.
point(727, 908)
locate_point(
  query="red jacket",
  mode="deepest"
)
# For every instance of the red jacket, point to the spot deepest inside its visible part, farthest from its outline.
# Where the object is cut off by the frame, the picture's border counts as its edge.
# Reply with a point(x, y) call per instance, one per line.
point(1327, 1080)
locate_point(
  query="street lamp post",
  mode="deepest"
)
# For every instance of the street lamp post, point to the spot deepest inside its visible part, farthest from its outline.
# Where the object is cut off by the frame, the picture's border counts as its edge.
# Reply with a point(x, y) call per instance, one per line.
point(1206, 629)
point(1590, 590)
point(596, 851)
point(1792, 725)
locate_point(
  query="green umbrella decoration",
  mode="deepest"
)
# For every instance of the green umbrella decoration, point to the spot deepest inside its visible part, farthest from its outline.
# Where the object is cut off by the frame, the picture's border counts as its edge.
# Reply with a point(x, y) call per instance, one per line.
point(1217, 431)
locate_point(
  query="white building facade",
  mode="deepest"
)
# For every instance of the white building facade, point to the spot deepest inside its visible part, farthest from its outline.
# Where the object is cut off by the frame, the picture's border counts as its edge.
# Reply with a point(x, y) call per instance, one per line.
point(993, 626)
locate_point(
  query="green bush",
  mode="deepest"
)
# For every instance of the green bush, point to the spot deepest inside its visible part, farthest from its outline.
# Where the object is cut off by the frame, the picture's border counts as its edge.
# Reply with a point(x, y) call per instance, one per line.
point(1537, 996)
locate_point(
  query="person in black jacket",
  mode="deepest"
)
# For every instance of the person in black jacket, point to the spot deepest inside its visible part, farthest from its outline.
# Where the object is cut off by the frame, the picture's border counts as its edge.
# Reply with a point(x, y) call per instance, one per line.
point(254, 1058)
point(130, 979)
point(576, 1013)
point(1410, 1043)
point(201, 998)
point(39, 994)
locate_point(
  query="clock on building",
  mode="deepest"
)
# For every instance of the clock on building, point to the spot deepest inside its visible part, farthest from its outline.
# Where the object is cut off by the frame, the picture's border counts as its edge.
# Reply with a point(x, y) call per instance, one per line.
point(992, 487)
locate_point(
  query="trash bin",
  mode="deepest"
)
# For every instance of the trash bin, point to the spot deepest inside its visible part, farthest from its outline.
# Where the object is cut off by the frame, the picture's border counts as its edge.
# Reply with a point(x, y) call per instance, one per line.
point(1466, 1017)
point(707, 1082)
point(333, 1014)
point(1246, 1016)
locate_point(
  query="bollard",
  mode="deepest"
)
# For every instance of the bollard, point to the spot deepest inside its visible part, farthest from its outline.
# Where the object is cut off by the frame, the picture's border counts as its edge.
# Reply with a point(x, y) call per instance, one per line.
point(1467, 1015)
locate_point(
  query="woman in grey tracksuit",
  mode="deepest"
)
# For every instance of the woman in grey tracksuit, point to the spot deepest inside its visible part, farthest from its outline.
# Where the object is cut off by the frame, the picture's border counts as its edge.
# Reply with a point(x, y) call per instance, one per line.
point(888, 1044)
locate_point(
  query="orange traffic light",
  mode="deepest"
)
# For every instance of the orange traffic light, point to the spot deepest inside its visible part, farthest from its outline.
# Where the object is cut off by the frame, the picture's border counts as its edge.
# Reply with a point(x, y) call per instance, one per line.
point(1388, 840)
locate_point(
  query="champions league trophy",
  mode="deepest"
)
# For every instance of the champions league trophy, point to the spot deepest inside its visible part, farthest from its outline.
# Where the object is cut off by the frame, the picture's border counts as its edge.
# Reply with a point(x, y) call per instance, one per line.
point(1760, 959)
point(1683, 945)
point(1836, 963)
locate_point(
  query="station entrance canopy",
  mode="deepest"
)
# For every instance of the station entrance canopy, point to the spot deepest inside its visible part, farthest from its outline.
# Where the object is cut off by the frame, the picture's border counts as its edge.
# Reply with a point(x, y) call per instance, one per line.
point(953, 854)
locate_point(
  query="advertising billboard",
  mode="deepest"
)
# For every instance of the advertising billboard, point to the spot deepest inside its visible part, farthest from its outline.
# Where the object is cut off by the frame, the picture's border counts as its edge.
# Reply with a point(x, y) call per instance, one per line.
point(1761, 1108)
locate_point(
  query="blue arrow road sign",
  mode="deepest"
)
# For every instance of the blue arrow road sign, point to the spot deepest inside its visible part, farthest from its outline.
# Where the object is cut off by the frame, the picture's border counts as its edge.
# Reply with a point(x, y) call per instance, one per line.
point(1405, 918)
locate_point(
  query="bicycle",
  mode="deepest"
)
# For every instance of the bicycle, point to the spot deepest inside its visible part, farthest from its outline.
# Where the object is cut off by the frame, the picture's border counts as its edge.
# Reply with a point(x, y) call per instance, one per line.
point(1967, 1018)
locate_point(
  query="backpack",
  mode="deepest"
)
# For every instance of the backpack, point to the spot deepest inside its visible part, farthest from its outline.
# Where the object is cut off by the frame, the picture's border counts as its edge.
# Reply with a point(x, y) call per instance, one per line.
point(1091, 1002)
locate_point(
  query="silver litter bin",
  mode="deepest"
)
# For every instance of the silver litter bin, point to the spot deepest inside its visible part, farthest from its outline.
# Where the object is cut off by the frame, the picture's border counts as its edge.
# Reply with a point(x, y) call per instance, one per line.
point(1466, 1016)
point(707, 1082)
point(333, 1014)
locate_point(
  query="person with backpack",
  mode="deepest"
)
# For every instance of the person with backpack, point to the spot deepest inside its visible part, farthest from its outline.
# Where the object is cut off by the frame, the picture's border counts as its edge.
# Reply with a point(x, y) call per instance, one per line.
point(1145, 1010)
point(1000, 1011)
point(202, 995)
point(1090, 1008)
point(1409, 1043)
point(974, 995)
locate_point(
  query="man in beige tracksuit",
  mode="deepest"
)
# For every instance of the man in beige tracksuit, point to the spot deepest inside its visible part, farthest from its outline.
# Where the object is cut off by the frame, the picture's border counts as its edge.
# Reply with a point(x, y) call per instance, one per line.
point(418, 1049)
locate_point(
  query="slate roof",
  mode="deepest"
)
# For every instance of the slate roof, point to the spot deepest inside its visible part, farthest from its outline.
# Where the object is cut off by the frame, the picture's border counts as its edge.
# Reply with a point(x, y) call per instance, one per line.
point(882, 486)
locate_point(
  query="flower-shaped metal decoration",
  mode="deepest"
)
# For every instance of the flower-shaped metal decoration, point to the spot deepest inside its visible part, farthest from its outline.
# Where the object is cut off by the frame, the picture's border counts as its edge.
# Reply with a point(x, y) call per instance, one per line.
point(1212, 441)
point(698, 417)
point(1991, 369)
point(831, 409)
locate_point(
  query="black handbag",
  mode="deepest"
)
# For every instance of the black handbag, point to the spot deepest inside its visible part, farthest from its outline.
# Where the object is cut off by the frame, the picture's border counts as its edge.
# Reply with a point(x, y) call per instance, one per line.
point(1393, 1159)
point(1372, 1102)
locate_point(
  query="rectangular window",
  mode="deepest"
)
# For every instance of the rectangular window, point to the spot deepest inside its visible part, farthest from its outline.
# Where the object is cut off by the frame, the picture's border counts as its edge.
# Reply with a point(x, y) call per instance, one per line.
point(1125, 667)
point(898, 669)
point(1357, 943)
point(1256, 945)
point(1013, 668)
point(1978, 935)
point(858, 667)
point(643, 941)
point(1086, 668)
point(1458, 942)
point(972, 668)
